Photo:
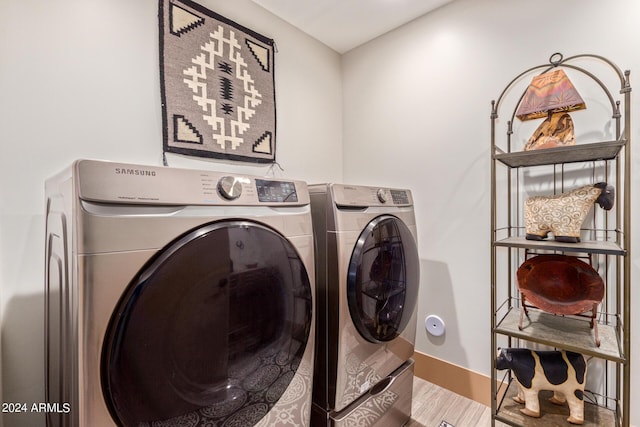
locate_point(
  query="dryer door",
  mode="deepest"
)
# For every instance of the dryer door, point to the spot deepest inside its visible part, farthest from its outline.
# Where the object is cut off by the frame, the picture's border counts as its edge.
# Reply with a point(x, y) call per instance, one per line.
point(213, 328)
point(383, 279)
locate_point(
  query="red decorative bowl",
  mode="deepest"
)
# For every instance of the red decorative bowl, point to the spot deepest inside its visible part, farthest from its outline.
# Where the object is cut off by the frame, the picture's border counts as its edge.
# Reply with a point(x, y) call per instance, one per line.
point(560, 284)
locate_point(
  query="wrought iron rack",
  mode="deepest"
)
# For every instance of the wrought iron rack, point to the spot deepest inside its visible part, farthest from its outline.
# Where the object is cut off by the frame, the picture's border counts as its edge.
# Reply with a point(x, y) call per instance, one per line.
point(603, 154)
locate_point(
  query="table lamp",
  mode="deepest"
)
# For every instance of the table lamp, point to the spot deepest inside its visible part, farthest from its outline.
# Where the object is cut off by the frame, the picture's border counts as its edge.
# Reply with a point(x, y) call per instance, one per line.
point(550, 95)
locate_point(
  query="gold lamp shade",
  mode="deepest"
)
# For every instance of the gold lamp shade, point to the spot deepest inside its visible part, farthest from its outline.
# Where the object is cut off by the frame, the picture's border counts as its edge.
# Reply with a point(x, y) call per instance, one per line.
point(548, 93)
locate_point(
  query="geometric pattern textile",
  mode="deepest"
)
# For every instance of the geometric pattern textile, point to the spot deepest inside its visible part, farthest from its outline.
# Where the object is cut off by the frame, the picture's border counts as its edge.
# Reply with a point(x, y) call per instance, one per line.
point(217, 86)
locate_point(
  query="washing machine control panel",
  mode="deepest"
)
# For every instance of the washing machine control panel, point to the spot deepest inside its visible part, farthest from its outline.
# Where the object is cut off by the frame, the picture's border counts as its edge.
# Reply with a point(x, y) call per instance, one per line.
point(269, 191)
point(276, 191)
point(108, 182)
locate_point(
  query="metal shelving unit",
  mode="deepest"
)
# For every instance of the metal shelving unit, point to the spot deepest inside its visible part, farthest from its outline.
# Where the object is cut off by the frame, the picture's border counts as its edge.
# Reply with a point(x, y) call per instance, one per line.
point(605, 241)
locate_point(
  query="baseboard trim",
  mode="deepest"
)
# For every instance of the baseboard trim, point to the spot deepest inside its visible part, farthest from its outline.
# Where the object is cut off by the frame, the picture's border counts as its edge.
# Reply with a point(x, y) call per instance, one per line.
point(457, 379)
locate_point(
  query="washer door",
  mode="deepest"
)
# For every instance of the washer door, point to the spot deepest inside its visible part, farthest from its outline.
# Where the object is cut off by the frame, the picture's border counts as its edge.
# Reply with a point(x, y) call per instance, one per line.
point(213, 328)
point(383, 279)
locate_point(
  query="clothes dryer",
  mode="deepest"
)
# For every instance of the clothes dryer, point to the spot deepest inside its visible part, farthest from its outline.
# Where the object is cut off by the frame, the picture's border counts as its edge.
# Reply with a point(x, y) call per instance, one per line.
point(367, 279)
point(177, 297)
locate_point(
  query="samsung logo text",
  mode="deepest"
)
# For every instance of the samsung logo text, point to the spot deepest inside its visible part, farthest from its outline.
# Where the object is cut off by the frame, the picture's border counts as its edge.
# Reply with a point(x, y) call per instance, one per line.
point(135, 172)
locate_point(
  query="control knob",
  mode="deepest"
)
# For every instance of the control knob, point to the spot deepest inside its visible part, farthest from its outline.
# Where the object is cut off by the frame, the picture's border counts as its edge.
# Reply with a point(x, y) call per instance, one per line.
point(382, 197)
point(229, 187)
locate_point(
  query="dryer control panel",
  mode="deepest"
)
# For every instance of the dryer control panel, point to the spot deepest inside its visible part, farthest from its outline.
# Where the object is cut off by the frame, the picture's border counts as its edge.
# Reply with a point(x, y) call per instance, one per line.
point(365, 196)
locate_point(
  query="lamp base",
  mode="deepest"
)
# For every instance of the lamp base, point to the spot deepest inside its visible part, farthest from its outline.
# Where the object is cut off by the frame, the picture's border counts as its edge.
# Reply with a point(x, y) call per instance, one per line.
point(555, 131)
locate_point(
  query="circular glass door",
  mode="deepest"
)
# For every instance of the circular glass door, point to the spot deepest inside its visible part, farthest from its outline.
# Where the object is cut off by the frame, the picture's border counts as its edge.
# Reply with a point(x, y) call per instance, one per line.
point(382, 281)
point(211, 331)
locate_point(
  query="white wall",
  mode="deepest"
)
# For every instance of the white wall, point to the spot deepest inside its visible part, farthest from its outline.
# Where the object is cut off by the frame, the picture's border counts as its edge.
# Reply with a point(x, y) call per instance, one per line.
point(80, 79)
point(417, 115)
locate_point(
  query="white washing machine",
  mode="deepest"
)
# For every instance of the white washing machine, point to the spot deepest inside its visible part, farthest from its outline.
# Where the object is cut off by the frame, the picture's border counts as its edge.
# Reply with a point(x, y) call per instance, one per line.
point(367, 280)
point(177, 297)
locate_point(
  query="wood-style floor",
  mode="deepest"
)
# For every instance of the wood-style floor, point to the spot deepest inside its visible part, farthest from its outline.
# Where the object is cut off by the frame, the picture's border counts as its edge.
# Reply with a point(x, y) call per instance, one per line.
point(434, 406)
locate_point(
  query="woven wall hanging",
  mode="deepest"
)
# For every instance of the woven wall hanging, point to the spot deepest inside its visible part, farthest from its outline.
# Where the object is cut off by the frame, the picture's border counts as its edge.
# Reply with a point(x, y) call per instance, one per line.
point(217, 85)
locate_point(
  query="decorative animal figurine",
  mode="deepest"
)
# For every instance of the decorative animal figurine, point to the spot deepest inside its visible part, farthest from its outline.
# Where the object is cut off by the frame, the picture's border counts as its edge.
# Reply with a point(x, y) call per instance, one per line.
point(563, 372)
point(563, 214)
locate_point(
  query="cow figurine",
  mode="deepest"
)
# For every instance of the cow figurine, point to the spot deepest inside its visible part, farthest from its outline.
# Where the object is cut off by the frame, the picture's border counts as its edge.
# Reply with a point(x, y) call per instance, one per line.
point(563, 214)
point(563, 372)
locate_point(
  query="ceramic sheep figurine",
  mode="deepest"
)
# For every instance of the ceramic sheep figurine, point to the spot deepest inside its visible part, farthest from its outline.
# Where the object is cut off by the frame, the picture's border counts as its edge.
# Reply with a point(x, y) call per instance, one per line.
point(563, 214)
point(563, 372)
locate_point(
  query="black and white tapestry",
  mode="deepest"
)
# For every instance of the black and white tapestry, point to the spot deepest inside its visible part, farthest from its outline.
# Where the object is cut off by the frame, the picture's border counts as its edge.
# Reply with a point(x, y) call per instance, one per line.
point(217, 83)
